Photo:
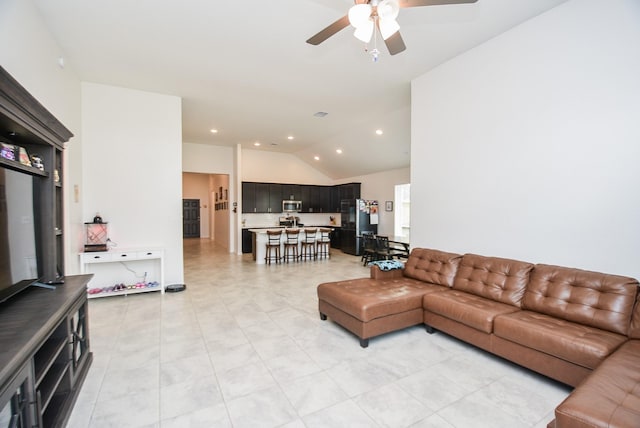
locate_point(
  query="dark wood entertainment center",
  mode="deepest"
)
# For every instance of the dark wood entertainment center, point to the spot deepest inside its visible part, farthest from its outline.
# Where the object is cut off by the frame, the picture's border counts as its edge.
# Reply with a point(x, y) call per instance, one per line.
point(44, 337)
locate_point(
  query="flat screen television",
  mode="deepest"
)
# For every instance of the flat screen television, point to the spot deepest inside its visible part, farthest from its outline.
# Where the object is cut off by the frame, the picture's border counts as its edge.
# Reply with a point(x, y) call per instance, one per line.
point(18, 259)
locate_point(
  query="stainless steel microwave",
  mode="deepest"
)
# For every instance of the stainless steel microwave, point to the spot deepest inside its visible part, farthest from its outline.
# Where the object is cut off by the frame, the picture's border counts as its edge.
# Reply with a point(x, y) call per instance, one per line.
point(289, 206)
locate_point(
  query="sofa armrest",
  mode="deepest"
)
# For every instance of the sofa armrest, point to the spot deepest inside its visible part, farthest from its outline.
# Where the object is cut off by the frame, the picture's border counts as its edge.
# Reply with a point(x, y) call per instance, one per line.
point(377, 273)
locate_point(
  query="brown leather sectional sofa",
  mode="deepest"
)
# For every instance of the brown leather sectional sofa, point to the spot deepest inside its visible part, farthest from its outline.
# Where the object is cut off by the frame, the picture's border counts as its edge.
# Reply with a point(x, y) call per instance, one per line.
point(579, 327)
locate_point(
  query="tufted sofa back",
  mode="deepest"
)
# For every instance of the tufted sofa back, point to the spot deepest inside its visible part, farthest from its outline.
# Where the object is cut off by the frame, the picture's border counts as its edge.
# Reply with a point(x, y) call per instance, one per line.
point(591, 298)
point(436, 267)
point(502, 280)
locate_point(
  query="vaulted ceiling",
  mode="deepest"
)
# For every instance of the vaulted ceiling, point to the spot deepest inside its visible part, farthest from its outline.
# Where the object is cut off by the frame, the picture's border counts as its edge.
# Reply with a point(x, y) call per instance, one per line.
point(244, 69)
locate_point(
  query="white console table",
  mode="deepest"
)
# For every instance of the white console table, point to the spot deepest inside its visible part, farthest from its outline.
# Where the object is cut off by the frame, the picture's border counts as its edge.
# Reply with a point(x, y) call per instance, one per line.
point(120, 267)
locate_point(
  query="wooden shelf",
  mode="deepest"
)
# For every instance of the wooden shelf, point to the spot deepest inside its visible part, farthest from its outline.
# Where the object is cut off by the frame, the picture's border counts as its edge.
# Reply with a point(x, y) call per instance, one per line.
point(17, 166)
point(47, 355)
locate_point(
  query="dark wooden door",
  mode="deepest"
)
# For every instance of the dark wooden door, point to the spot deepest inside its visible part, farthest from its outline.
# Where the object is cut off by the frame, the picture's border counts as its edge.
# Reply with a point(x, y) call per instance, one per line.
point(191, 218)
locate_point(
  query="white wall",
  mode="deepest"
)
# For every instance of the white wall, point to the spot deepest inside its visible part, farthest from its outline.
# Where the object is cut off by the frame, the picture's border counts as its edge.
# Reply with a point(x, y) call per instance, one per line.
point(271, 167)
point(381, 187)
point(528, 146)
point(132, 168)
point(207, 159)
point(30, 55)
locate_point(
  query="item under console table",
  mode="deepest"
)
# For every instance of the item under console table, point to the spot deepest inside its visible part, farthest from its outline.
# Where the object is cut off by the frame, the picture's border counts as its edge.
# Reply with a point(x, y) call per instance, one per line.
point(44, 353)
point(110, 282)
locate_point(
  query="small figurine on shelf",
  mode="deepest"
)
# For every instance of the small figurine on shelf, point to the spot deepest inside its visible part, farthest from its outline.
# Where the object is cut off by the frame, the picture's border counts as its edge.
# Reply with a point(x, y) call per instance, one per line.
point(36, 161)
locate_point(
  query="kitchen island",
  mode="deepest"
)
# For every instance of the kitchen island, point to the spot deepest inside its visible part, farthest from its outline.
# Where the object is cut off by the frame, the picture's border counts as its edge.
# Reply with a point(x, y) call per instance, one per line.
point(259, 237)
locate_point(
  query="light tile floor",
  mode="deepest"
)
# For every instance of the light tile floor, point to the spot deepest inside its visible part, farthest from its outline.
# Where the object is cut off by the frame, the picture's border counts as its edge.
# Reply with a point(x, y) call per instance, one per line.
point(243, 346)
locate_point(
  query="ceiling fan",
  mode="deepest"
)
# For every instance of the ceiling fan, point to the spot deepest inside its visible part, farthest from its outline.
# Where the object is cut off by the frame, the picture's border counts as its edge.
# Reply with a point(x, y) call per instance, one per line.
point(368, 15)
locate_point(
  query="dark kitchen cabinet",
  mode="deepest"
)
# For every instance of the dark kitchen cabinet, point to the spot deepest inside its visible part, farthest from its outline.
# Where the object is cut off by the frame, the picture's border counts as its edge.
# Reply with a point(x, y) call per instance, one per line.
point(325, 199)
point(334, 199)
point(316, 199)
point(291, 192)
point(275, 198)
point(305, 197)
point(247, 244)
point(268, 197)
point(261, 197)
point(336, 242)
point(249, 197)
point(349, 191)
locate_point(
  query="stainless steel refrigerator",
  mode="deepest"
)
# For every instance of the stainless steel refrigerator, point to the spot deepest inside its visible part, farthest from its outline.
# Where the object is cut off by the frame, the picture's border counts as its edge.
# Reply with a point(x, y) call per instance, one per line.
point(357, 216)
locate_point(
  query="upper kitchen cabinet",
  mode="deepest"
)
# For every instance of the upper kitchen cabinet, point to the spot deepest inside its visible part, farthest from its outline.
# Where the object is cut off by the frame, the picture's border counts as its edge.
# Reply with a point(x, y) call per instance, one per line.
point(316, 199)
point(248, 197)
point(349, 191)
point(292, 192)
point(268, 197)
point(261, 197)
point(275, 198)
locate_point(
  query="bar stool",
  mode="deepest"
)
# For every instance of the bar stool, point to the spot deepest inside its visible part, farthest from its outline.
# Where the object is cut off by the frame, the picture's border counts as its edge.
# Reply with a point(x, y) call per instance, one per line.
point(308, 245)
point(324, 243)
point(273, 246)
point(291, 244)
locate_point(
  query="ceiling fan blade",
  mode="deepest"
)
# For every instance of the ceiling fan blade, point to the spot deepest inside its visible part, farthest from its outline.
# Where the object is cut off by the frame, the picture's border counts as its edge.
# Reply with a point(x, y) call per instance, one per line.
point(395, 44)
point(329, 31)
point(417, 3)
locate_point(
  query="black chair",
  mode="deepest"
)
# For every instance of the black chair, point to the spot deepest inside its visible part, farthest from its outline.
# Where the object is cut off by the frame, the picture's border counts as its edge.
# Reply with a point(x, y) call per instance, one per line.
point(400, 248)
point(368, 248)
point(384, 251)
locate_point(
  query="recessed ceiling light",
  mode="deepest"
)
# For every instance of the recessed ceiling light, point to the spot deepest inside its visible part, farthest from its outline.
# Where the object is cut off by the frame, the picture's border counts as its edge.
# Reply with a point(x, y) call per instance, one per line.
point(290, 137)
point(316, 158)
point(320, 114)
point(379, 132)
point(339, 151)
point(214, 131)
point(257, 143)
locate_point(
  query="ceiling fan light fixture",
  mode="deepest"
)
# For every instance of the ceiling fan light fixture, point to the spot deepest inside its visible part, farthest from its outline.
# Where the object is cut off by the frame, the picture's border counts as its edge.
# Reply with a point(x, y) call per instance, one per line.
point(388, 9)
point(359, 14)
point(364, 32)
point(388, 27)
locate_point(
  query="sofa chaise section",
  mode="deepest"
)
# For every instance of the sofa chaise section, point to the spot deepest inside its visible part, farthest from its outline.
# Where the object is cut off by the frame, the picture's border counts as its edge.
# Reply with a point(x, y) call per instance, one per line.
point(387, 301)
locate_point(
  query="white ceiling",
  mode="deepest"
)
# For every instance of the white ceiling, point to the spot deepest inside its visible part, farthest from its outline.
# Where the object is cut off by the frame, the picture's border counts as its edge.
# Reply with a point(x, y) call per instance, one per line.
point(243, 67)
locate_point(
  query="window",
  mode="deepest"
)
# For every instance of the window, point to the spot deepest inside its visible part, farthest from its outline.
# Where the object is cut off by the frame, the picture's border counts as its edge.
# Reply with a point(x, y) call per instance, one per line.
point(403, 209)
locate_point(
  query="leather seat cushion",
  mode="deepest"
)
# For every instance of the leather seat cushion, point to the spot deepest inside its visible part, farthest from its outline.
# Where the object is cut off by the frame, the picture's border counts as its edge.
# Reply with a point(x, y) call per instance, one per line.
point(609, 397)
point(577, 343)
point(367, 299)
point(468, 309)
